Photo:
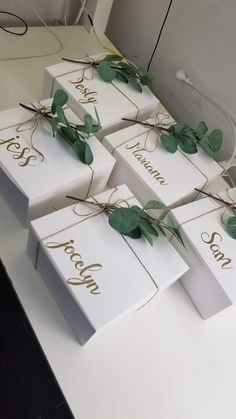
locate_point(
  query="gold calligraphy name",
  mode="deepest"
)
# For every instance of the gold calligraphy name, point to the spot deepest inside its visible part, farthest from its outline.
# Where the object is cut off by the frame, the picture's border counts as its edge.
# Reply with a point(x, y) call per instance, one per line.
point(18, 152)
point(85, 277)
point(146, 164)
point(215, 248)
point(88, 94)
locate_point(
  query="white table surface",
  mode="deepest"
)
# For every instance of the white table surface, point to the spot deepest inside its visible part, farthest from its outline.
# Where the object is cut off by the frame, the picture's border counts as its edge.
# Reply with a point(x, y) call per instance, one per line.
point(162, 362)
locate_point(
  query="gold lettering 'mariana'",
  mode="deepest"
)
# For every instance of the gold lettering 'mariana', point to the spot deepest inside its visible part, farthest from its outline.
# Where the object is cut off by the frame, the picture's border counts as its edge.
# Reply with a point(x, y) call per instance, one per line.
point(146, 164)
point(85, 277)
point(215, 249)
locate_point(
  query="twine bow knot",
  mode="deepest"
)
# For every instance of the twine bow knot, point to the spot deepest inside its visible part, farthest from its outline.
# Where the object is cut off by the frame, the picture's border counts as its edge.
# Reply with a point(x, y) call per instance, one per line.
point(160, 122)
point(32, 123)
point(106, 207)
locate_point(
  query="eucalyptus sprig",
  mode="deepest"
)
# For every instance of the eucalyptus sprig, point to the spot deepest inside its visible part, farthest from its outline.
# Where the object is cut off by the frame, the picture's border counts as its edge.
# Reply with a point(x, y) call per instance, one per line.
point(136, 222)
point(230, 222)
point(115, 66)
point(75, 135)
point(181, 135)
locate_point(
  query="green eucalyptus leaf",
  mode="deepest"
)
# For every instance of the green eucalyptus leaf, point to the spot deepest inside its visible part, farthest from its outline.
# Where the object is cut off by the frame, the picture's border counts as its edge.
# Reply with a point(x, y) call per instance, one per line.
point(215, 140)
point(148, 226)
point(59, 99)
point(88, 122)
point(169, 142)
point(170, 225)
point(98, 125)
point(181, 126)
point(69, 134)
point(205, 145)
point(154, 205)
point(112, 57)
point(79, 147)
point(201, 129)
point(54, 123)
point(146, 80)
point(106, 72)
point(134, 234)
point(158, 228)
point(121, 76)
point(83, 151)
point(187, 145)
point(231, 227)
point(146, 234)
point(124, 220)
point(126, 65)
point(88, 127)
point(88, 155)
point(61, 115)
point(135, 84)
point(82, 128)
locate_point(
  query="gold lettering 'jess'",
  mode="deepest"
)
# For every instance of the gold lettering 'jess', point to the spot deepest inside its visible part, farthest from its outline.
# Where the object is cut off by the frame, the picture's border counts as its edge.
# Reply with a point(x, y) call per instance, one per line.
point(212, 241)
point(87, 94)
point(85, 277)
point(137, 152)
point(23, 155)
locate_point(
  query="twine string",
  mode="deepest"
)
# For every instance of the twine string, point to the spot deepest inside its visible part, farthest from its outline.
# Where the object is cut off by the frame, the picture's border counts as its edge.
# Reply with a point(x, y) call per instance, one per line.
point(31, 124)
point(216, 198)
point(106, 207)
point(103, 207)
point(88, 73)
point(159, 122)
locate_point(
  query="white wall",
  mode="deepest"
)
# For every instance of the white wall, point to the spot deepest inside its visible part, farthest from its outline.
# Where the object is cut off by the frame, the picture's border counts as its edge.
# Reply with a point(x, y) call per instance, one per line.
point(50, 10)
point(200, 37)
point(53, 12)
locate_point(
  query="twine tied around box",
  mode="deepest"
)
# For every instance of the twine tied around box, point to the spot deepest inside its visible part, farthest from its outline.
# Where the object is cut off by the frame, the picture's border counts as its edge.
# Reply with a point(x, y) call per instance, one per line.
point(32, 124)
point(224, 204)
point(156, 126)
point(88, 73)
point(102, 208)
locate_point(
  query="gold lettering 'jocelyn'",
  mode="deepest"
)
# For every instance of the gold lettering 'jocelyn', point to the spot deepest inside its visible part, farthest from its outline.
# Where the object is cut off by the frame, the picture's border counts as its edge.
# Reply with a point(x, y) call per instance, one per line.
point(85, 277)
point(212, 241)
point(137, 152)
point(24, 155)
point(88, 95)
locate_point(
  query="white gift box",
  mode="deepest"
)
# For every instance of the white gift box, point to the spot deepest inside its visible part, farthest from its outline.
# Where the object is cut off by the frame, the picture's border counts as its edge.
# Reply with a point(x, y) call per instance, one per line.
point(170, 178)
point(210, 253)
point(96, 275)
point(33, 186)
point(112, 100)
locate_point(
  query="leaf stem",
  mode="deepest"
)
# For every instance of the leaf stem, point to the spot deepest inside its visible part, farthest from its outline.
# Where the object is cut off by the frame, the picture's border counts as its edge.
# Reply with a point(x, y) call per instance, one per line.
point(147, 124)
point(46, 114)
point(228, 204)
point(92, 63)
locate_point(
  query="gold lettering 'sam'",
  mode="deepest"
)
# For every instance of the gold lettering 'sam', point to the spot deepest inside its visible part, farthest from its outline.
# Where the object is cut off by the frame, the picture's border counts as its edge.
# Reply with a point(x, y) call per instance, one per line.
point(211, 240)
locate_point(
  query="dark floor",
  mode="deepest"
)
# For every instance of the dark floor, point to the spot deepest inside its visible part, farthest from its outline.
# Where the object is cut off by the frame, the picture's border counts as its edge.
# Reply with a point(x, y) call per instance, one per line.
point(28, 388)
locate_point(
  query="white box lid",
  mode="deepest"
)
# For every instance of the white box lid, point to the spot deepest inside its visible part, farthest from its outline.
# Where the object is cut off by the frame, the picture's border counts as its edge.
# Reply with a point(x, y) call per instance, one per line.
point(201, 222)
point(131, 269)
point(179, 173)
point(60, 166)
point(113, 100)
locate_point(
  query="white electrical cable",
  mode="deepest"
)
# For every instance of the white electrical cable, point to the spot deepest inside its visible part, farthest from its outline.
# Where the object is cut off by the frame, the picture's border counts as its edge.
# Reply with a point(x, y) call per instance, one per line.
point(66, 12)
point(81, 10)
point(59, 49)
point(182, 76)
